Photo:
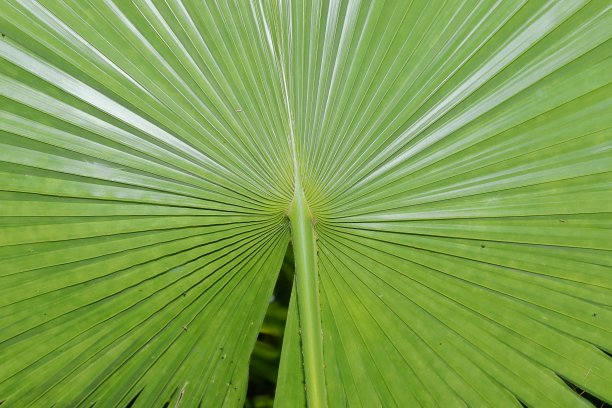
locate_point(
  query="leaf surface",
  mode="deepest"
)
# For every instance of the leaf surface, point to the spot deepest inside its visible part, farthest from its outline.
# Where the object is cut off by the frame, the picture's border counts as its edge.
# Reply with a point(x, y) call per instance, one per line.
point(454, 165)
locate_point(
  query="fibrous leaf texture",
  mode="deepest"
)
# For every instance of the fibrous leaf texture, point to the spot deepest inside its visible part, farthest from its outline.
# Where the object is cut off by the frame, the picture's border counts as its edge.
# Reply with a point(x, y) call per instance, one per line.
point(443, 169)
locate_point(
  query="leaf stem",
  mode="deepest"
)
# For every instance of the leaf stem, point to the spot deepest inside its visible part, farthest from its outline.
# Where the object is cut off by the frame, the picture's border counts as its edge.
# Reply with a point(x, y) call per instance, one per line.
point(305, 250)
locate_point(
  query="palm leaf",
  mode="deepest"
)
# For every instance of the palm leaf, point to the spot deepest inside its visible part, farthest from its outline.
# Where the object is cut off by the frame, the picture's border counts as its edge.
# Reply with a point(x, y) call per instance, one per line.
point(441, 168)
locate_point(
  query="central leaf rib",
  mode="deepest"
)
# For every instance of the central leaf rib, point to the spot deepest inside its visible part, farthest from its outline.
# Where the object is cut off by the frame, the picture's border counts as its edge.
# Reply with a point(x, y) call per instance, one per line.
point(307, 280)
